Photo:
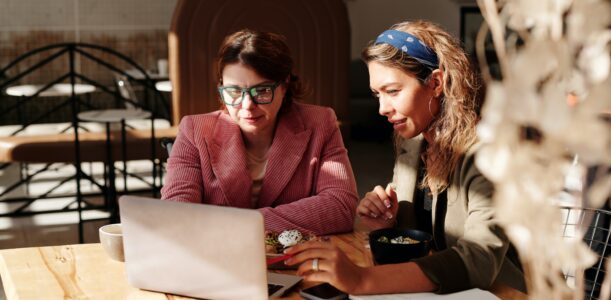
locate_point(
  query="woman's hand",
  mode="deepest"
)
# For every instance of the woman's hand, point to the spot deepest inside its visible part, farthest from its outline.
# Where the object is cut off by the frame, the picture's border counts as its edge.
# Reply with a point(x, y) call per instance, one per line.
point(378, 209)
point(334, 266)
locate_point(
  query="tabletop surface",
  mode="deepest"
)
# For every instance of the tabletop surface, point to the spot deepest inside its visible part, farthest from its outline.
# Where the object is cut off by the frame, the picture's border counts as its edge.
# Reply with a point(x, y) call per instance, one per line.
point(137, 74)
point(56, 90)
point(85, 271)
point(113, 115)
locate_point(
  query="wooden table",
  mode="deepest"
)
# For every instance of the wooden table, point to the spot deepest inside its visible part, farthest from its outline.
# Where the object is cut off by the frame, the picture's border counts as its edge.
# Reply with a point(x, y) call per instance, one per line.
point(85, 272)
point(120, 116)
point(56, 90)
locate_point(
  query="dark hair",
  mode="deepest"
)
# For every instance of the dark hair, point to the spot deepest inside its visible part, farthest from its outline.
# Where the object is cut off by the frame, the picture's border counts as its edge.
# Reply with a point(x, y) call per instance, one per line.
point(265, 52)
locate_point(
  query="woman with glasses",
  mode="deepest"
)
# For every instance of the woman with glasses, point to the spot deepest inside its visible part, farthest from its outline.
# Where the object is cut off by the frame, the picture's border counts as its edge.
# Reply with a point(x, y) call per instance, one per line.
point(428, 91)
point(263, 150)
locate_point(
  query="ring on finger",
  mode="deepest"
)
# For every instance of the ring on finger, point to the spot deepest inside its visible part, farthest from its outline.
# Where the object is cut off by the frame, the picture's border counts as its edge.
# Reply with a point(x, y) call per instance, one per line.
point(315, 265)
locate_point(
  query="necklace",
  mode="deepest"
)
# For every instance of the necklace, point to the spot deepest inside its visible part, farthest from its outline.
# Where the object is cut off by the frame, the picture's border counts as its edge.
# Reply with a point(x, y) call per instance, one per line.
point(257, 159)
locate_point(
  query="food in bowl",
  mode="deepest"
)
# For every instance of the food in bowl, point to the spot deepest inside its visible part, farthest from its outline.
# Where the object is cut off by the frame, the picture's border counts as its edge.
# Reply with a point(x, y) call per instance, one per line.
point(290, 238)
point(271, 243)
point(275, 243)
point(398, 240)
point(384, 251)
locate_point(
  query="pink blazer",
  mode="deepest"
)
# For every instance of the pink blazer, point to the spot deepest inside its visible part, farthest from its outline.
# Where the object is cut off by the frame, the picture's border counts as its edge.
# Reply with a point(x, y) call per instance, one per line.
point(308, 183)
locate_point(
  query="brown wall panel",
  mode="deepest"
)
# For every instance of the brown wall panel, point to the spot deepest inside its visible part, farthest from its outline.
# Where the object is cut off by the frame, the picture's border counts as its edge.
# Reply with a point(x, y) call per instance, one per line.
point(317, 32)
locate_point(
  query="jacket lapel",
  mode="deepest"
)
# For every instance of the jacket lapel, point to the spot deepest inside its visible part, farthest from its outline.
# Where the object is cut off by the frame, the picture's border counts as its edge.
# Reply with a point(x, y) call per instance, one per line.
point(405, 179)
point(290, 142)
point(228, 160)
point(409, 162)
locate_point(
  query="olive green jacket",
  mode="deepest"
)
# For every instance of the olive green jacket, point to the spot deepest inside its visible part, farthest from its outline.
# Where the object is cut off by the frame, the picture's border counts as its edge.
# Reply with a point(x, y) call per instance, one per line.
point(478, 253)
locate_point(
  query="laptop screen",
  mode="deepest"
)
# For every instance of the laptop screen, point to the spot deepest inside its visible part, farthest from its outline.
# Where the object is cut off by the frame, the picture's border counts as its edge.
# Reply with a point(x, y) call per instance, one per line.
point(196, 250)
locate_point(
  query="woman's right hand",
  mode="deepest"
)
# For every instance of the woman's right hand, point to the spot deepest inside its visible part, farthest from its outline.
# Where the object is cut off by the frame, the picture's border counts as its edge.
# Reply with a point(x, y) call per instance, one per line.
point(332, 265)
point(378, 209)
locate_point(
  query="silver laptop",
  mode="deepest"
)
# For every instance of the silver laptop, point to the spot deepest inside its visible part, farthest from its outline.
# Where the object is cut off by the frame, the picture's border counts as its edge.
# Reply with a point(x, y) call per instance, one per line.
point(197, 250)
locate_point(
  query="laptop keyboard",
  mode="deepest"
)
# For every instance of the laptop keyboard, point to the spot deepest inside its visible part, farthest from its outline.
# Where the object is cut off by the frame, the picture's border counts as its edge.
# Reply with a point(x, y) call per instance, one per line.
point(272, 288)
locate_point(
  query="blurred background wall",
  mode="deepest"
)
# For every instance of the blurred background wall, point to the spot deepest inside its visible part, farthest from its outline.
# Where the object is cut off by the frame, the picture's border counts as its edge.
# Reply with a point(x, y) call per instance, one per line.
point(138, 29)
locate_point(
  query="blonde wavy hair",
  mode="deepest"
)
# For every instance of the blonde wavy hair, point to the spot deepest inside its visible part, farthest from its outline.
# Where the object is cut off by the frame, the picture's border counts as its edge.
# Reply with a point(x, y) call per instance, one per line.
point(454, 126)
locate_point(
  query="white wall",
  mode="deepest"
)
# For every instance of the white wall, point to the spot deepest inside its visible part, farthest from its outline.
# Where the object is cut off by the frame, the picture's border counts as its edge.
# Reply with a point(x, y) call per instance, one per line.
point(63, 15)
point(119, 17)
point(368, 18)
point(136, 28)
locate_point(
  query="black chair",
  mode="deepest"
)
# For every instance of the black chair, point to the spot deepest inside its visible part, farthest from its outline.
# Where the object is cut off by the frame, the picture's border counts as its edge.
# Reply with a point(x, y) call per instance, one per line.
point(68, 53)
point(597, 236)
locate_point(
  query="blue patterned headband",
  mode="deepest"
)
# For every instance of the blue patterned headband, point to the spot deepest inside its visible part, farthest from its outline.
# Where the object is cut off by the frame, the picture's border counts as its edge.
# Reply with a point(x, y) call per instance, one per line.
point(411, 45)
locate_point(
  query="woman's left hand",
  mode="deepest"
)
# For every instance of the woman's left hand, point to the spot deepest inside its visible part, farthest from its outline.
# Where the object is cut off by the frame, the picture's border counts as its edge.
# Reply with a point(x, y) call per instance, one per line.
point(333, 265)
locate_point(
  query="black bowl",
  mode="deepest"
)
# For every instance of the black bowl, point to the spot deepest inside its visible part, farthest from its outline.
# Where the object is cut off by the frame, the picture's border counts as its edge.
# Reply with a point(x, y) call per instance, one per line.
point(388, 253)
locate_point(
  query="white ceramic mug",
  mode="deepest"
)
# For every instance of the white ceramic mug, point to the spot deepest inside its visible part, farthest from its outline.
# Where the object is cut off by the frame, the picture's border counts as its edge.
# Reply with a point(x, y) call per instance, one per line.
point(162, 67)
point(111, 238)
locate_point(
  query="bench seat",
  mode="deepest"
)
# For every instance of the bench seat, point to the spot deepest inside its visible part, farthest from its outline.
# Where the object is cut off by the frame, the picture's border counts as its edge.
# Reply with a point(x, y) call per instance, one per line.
point(50, 148)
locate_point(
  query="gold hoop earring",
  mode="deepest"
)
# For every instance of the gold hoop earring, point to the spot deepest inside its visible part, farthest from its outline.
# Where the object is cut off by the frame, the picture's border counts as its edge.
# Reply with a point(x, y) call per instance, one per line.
point(430, 111)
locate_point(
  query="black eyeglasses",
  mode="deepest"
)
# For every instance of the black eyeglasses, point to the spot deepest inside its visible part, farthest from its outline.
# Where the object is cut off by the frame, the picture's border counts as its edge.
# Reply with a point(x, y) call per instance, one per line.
point(260, 94)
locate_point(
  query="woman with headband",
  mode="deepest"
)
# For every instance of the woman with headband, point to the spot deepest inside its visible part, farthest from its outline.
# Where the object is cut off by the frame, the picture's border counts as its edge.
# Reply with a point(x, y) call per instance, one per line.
point(428, 91)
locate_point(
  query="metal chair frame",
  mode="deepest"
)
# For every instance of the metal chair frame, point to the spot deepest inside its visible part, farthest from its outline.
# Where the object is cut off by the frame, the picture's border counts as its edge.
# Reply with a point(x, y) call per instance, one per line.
point(597, 225)
point(89, 52)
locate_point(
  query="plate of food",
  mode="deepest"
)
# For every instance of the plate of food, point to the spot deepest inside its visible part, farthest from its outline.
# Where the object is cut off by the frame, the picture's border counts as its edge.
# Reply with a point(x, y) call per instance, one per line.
point(275, 243)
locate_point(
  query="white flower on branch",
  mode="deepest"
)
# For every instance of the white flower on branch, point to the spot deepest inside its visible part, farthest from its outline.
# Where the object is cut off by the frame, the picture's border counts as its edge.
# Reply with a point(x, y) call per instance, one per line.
point(533, 134)
point(595, 58)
